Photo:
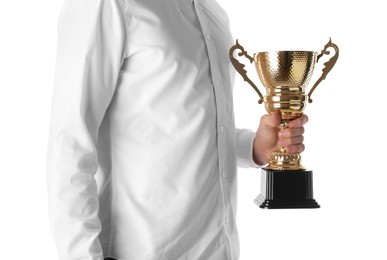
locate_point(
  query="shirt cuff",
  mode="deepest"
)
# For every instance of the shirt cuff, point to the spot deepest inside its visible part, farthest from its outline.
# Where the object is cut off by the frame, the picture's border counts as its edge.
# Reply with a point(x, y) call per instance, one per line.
point(245, 141)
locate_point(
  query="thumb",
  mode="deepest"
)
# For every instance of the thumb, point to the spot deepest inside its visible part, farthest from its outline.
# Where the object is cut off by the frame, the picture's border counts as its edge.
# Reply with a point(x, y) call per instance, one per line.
point(272, 120)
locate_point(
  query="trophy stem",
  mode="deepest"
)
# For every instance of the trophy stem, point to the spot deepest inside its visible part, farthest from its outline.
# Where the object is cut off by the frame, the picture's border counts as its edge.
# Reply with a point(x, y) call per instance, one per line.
point(282, 126)
point(281, 159)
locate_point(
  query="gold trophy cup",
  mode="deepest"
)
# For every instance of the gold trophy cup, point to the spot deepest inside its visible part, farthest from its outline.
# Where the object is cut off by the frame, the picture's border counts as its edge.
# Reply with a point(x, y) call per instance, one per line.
point(285, 183)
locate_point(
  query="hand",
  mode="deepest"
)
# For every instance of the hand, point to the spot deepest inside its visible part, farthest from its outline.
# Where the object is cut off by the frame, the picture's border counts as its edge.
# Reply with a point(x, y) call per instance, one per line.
point(268, 137)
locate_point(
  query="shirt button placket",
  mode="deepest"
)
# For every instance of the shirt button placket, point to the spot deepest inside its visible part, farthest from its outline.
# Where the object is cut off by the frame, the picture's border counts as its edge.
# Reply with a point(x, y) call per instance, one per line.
point(221, 112)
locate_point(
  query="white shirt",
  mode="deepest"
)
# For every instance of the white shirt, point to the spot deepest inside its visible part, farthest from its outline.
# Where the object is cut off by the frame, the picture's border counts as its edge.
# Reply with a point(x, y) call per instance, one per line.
point(143, 149)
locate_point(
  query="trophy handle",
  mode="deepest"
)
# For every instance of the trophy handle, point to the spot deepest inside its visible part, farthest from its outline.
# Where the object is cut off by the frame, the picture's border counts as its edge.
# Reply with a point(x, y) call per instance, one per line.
point(328, 65)
point(240, 67)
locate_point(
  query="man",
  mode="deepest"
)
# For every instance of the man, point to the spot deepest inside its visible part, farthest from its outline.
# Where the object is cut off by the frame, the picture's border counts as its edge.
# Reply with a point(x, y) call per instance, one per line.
point(143, 150)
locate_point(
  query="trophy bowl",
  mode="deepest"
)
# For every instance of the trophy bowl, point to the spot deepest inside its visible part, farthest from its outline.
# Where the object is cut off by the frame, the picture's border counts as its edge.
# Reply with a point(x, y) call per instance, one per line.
point(285, 75)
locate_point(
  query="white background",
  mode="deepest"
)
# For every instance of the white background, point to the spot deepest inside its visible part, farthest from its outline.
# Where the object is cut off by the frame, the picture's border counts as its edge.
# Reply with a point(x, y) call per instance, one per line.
point(345, 138)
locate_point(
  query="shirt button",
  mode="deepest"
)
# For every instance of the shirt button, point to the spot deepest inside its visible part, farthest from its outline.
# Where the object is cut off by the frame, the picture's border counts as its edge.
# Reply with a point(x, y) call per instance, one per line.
point(222, 129)
point(224, 174)
point(208, 36)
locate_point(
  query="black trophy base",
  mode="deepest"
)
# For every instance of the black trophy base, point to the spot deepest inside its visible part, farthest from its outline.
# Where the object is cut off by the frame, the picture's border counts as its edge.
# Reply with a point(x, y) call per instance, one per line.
point(289, 189)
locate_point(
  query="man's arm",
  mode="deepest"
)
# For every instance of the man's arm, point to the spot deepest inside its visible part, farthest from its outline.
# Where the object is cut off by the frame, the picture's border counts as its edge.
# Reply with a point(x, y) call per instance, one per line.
point(90, 52)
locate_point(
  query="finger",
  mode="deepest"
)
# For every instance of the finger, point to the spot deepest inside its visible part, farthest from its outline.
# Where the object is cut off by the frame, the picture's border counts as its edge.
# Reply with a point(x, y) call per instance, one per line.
point(302, 120)
point(295, 148)
point(291, 132)
point(291, 141)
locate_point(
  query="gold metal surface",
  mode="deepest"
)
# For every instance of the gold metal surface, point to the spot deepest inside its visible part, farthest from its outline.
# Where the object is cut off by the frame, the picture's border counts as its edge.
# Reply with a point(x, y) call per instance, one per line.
point(285, 75)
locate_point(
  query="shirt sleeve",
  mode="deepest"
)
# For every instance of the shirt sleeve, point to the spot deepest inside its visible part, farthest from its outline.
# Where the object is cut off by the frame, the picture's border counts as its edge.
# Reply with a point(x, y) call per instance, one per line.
point(90, 52)
point(245, 141)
